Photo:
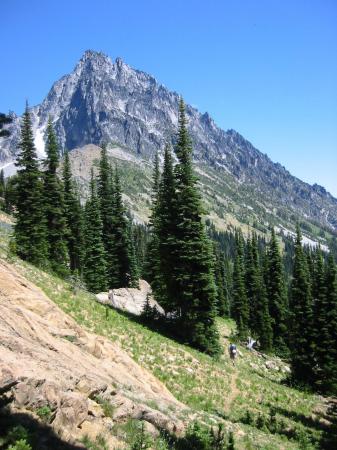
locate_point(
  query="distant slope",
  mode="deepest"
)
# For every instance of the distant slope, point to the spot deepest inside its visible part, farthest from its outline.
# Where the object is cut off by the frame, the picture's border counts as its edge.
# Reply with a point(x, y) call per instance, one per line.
point(112, 102)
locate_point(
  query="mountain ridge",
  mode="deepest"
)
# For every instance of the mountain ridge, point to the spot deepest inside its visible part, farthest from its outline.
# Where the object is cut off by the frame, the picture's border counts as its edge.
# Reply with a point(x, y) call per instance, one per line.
point(102, 100)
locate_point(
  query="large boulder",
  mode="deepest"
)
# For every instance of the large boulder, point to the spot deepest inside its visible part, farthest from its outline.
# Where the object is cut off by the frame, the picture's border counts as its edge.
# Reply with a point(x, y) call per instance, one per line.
point(131, 300)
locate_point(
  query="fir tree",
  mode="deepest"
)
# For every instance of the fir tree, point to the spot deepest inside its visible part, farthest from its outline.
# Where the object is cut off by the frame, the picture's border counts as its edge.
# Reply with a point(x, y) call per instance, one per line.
point(54, 207)
point(196, 292)
point(122, 250)
point(152, 266)
point(301, 317)
point(220, 281)
point(259, 318)
point(94, 271)
point(2, 183)
point(239, 307)
point(326, 348)
point(74, 219)
point(106, 195)
point(165, 283)
point(277, 296)
point(30, 226)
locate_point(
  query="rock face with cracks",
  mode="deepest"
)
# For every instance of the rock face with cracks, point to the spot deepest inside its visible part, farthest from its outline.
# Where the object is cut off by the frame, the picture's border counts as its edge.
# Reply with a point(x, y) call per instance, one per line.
point(48, 360)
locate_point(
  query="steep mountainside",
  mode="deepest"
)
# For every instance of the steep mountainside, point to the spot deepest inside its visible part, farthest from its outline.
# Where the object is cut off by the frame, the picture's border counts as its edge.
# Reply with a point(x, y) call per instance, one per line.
point(105, 101)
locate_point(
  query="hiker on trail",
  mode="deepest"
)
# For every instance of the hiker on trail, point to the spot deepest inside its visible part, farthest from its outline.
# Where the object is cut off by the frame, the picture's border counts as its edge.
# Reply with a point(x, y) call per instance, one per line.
point(232, 353)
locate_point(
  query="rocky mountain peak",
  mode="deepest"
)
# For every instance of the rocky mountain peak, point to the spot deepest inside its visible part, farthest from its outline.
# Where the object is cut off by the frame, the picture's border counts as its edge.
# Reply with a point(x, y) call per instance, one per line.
point(102, 100)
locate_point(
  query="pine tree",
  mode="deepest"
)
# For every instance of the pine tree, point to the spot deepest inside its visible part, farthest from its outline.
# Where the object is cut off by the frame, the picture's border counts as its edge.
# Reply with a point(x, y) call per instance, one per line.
point(301, 341)
point(94, 271)
point(122, 249)
point(2, 183)
point(74, 219)
point(326, 349)
point(106, 194)
point(152, 266)
point(196, 292)
point(30, 226)
point(240, 307)
point(259, 318)
point(165, 283)
point(277, 296)
point(54, 207)
point(220, 281)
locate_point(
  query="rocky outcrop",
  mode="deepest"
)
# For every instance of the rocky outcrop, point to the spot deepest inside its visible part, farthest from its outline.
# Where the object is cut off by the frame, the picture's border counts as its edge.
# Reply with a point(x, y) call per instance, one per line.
point(50, 362)
point(130, 300)
point(106, 101)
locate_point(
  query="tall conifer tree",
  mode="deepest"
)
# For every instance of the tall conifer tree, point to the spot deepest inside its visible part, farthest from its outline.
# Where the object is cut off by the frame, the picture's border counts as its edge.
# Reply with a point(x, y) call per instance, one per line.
point(302, 357)
point(54, 207)
point(240, 307)
point(122, 249)
point(165, 229)
point(95, 273)
point(152, 265)
point(106, 194)
point(277, 297)
point(196, 292)
point(74, 218)
point(327, 349)
point(30, 227)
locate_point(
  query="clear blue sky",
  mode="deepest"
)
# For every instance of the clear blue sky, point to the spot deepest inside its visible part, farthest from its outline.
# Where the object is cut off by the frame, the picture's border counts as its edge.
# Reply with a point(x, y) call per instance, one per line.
point(267, 68)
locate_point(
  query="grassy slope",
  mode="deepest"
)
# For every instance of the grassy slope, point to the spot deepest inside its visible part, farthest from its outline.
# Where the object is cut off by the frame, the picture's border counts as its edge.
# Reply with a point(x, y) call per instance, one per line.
point(214, 390)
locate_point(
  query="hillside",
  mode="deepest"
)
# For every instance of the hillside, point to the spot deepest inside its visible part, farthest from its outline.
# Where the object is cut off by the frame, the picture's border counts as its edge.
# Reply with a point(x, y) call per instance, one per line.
point(225, 205)
point(116, 371)
point(101, 100)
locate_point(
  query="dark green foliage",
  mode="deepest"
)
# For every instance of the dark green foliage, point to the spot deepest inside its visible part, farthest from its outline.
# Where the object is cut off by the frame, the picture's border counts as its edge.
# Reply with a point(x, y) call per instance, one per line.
point(239, 307)
point(165, 245)
point(11, 194)
point(106, 200)
point(277, 296)
point(193, 272)
point(2, 183)
point(259, 318)
point(301, 325)
point(221, 283)
point(152, 265)
point(122, 252)
point(74, 219)
point(54, 208)
point(94, 271)
point(326, 326)
point(199, 437)
point(30, 227)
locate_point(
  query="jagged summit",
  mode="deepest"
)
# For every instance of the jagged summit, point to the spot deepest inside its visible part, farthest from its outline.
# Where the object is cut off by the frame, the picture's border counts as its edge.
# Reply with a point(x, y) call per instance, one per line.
point(102, 100)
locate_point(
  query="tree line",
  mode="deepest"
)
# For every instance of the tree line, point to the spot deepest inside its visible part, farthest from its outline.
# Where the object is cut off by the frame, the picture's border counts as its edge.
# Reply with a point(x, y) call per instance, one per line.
point(287, 302)
point(53, 230)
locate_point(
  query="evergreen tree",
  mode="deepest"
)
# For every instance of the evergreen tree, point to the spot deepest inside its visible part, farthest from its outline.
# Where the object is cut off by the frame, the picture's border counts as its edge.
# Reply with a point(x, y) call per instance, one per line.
point(2, 183)
point(240, 307)
point(220, 281)
point(30, 226)
point(326, 348)
point(94, 270)
point(196, 292)
point(165, 283)
point(277, 296)
point(259, 318)
point(106, 195)
point(152, 266)
point(301, 317)
point(54, 207)
point(122, 249)
point(74, 219)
